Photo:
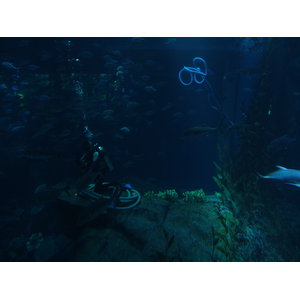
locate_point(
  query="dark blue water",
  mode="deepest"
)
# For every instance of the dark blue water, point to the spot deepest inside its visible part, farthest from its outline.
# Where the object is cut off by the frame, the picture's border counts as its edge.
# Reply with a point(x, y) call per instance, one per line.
point(55, 87)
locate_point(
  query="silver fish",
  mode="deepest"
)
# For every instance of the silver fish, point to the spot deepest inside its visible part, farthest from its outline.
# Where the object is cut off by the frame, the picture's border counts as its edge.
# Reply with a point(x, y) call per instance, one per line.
point(9, 65)
point(287, 176)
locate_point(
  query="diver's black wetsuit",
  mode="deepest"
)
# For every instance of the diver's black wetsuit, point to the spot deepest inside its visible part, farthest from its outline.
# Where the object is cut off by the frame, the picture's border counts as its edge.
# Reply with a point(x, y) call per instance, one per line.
point(95, 160)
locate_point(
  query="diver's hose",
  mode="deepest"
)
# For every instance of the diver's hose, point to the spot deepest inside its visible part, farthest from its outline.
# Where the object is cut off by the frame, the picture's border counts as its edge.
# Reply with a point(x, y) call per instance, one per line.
point(131, 195)
point(127, 199)
point(194, 71)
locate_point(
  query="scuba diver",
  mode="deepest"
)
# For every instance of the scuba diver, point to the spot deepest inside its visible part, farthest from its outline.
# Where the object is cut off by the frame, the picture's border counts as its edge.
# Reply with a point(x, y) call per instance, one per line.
point(91, 197)
point(96, 162)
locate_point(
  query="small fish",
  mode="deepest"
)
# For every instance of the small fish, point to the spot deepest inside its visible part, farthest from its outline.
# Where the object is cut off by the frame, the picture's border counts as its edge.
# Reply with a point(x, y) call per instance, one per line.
point(117, 53)
point(200, 130)
point(110, 64)
point(253, 71)
point(167, 106)
point(64, 133)
point(97, 45)
point(136, 42)
point(149, 113)
point(170, 41)
point(199, 91)
point(150, 124)
point(35, 210)
point(33, 67)
point(108, 112)
point(137, 39)
point(43, 196)
point(37, 153)
point(9, 66)
point(132, 104)
point(125, 129)
point(247, 90)
point(150, 62)
point(178, 115)
point(18, 128)
point(149, 89)
point(287, 176)
point(40, 188)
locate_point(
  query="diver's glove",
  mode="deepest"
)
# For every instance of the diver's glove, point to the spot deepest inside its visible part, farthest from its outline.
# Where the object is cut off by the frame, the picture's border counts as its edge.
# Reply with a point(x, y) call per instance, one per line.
point(127, 186)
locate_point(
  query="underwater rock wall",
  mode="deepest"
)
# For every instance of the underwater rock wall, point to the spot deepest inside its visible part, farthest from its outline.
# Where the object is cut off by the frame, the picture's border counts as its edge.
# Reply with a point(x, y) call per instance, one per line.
point(159, 230)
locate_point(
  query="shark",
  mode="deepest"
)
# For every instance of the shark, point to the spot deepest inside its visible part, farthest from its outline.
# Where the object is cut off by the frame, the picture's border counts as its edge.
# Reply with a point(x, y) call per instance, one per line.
point(284, 175)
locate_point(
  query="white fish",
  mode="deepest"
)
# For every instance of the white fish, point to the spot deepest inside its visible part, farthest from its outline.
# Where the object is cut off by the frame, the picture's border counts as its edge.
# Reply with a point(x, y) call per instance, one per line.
point(287, 176)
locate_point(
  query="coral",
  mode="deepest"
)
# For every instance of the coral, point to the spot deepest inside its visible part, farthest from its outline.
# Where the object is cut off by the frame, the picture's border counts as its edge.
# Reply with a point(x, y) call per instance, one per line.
point(149, 194)
point(194, 196)
point(173, 196)
point(169, 195)
point(34, 241)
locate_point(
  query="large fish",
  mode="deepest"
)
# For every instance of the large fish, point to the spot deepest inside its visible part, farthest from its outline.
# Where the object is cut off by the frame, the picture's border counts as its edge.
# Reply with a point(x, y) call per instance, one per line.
point(287, 176)
point(280, 144)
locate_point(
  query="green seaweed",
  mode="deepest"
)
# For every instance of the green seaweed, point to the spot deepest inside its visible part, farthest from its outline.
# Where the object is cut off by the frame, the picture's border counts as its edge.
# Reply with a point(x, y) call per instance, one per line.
point(173, 197)
point(163, 256)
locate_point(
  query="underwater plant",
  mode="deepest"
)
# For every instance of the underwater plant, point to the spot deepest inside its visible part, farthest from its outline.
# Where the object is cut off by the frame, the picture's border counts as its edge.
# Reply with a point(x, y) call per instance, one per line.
point(194, 196)
point(163, 256)
point(169, 195)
